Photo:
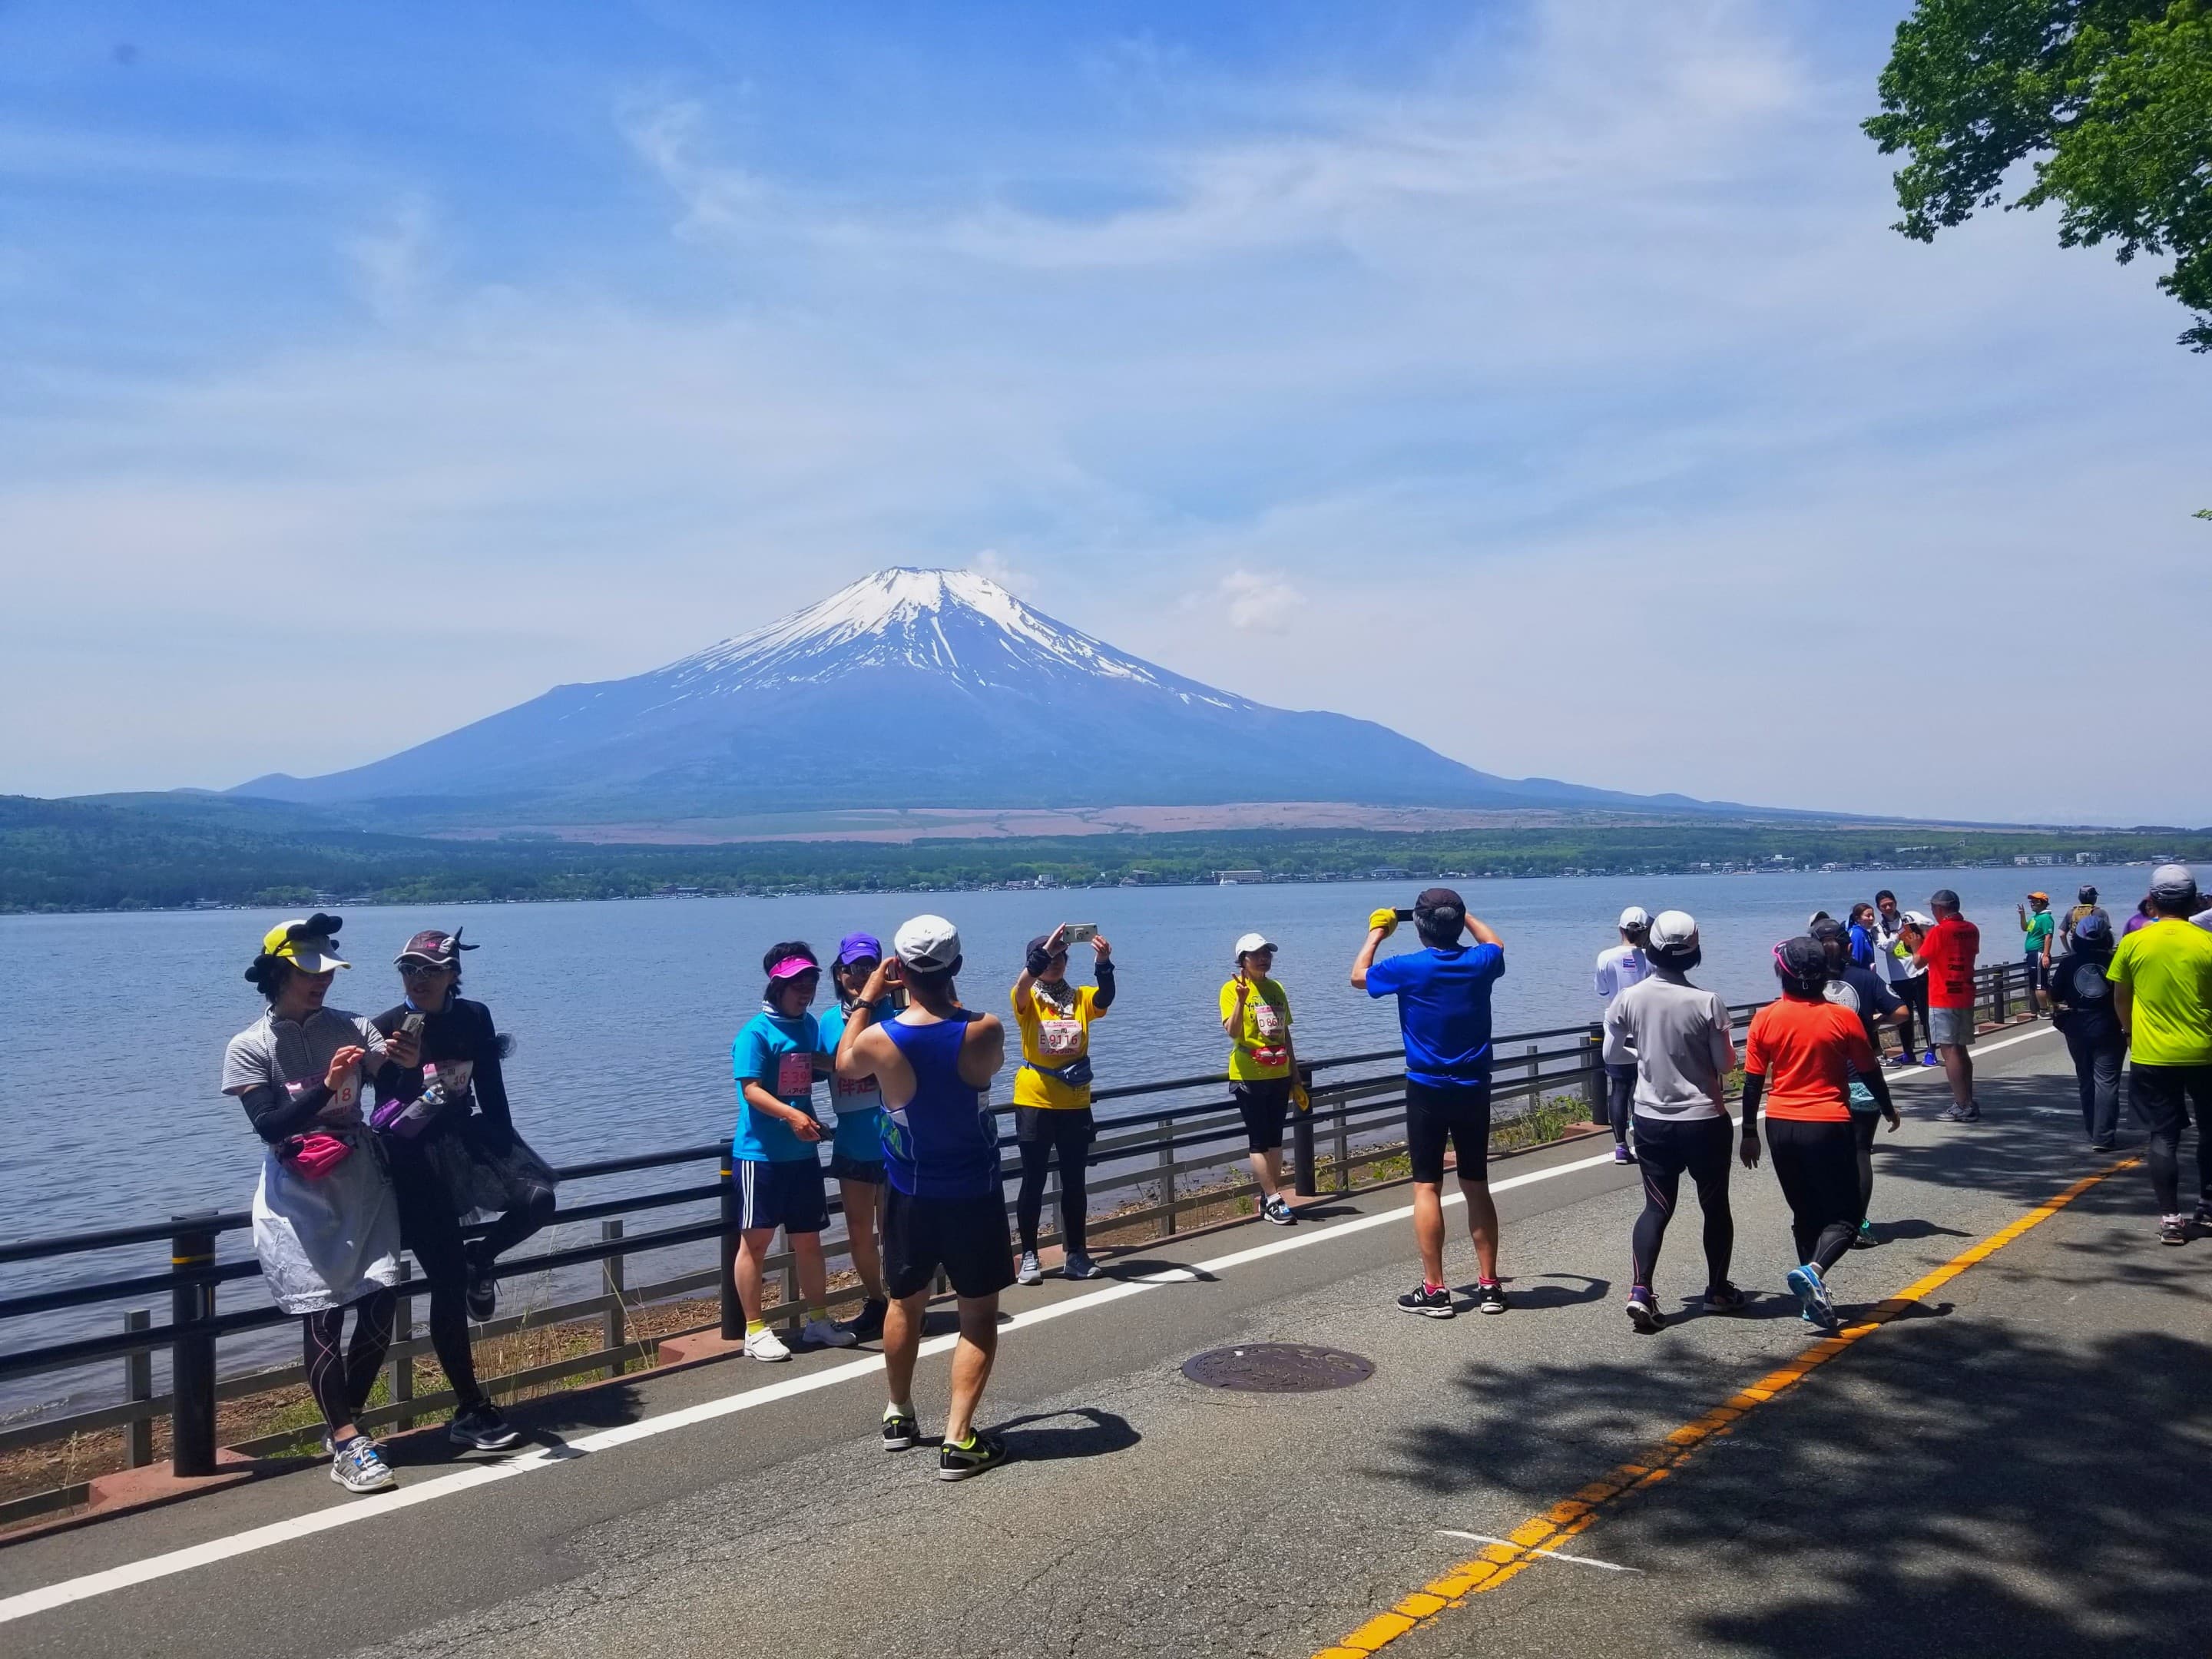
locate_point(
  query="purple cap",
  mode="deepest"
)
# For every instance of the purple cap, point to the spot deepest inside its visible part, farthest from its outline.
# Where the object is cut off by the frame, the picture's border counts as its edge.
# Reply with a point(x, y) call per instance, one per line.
point(859, 947)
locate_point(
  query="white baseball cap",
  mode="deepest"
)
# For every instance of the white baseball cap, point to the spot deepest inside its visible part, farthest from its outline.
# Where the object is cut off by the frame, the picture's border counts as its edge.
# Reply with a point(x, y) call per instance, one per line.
point(929, 943)
point(1920, 918)
point(1251, 942)
point(1672, 930)
point(1634, 916)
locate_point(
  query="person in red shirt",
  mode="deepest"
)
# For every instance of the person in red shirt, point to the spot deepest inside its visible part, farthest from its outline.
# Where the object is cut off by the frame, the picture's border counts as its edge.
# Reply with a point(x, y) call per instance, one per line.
point(1799, 1059)
point(1948, 953)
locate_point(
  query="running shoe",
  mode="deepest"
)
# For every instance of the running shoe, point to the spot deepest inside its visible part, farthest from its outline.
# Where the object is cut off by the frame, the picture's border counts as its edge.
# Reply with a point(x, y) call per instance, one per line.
point(1622, 1155)
point(481, 1428)
point(2103, 1146)
point(1959, 1114)
point(1813, 1301)
point(870, 1324)
point(1430, 1304)
point(481, 1294)
point(2172, 1230)
point(329, 1446)
point(962, 1463)
point(1864, 1239)
point(1902, 1058)
point(1031, 1271)
point(901, 1431)
point(1929, 1058)
point(357, 1468)
point(826, 1333)
point(765, 1344)
point(1079, 1266)
point(1725, 1298)
point(1278, 1211)
point(1642, 1309)
point(1490, 1297)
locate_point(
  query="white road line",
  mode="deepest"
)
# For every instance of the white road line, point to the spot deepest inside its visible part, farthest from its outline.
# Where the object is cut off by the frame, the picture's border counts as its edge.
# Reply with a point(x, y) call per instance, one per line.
point(1539, 1555)
point(27, 1603)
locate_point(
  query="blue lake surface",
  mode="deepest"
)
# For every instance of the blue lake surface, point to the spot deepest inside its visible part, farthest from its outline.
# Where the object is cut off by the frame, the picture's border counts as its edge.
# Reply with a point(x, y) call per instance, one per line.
point(622, 1014)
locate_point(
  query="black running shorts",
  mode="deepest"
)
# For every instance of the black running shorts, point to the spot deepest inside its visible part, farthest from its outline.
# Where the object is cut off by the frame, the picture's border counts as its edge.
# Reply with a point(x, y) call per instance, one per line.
point(1458, 1115)
point(1263, 1104)
point(965, 1237)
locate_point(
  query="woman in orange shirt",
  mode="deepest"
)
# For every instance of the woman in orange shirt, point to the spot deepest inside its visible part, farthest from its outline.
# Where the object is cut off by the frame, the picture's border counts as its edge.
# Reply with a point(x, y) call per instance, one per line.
point(1799, 1060)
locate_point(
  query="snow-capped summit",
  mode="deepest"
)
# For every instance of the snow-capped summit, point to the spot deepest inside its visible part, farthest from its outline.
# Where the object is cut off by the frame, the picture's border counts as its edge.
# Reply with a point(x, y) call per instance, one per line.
point(953, 623)
point(907, 689)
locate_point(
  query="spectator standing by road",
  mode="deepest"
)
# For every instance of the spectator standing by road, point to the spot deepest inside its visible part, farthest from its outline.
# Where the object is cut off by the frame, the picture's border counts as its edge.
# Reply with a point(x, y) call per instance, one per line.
point(1443, 1015)
point(2036, 928)
point(1896, 938)
point(325, 1223)
point(1263, 1075)
point(856, 1149)
point(1947, 951)
point(1052, 1095)
point(2162, 978)
point(2085, 905)
point(946, 1210)
point(2081, 1007)
point(1864, 924)
point(1618, 967)
point(1679, 1042)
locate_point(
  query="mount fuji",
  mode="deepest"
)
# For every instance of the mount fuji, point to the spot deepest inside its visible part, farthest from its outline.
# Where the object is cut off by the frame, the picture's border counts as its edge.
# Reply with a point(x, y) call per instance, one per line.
point(908, 689)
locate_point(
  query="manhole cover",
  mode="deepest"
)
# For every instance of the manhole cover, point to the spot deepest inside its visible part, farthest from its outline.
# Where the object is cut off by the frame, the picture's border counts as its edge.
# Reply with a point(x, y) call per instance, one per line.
point(1278, 1368)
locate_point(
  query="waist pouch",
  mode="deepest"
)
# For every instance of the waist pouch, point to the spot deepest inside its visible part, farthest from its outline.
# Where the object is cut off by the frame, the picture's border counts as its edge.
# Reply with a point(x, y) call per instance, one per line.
point(315, 1155)
point(1076, 1074)
point(407, 1119)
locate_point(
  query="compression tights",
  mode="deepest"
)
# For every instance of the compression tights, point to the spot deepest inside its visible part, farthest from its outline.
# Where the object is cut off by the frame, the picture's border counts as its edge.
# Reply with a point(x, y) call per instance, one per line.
point(340, 1380)
point(1664, 1151)
point(1817, 1163)
point(1074, 1191)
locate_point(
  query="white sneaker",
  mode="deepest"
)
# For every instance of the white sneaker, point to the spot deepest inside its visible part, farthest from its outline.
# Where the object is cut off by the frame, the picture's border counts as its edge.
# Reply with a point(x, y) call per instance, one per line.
point(1030, 1271)
point(823, 1334)
point(766, 1345)
point(356, 1467)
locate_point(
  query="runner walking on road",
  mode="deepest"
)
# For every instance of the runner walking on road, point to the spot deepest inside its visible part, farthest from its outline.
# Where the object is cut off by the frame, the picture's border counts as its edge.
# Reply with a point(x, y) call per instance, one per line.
point(856, 1149)
point(1052, 1095)
point(1263, 1076)
point(325, 1222)
point(946, 1209)
point(1860, 991)
point(1947, 953)
point(1798, 1060)
point(1677, 1040)
point(2082, 1009)
point(1443, 1013)
point(2161, 978)
point(1618, 967)
point(779, 1172)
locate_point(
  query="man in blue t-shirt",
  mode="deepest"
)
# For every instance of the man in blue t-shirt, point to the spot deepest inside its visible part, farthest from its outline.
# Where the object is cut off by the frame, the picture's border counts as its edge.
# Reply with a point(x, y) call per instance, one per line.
point(1443, 1010)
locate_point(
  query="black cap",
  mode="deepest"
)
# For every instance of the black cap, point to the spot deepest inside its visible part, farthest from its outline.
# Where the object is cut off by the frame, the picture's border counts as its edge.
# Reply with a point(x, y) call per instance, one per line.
point(1435, 901)
point(1828, 928)
point(1803, 958)
point(2088, 895)
point(1042, 943)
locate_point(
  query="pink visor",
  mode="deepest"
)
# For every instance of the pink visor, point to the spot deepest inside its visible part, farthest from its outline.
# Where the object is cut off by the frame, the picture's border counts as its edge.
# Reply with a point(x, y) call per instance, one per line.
point(792, 968)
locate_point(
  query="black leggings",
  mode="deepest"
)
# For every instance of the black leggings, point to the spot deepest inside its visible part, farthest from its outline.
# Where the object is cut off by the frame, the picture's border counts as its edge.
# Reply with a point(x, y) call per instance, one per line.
point(1912, 992)
point(1620, 1101)
point(1863, 1124)
point(1817, 1163)
point(1039, 1133)
point(341, 1381)
point(1666, 1148)
point(512, 1227)
point(2162, 1097)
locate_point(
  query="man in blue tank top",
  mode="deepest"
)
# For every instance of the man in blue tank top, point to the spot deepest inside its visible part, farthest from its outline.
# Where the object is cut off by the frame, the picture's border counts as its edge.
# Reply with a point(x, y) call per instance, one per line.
point(946, 1205)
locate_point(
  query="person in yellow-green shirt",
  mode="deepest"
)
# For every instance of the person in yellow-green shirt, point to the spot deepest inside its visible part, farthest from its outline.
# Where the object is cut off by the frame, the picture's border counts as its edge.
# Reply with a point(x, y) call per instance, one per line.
point(2161, 979)
point(1052, 1095)
point(1263, 1075)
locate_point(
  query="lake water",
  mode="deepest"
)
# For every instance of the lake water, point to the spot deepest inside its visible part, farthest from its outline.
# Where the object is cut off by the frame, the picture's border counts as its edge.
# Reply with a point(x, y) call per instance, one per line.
point(622, 1014)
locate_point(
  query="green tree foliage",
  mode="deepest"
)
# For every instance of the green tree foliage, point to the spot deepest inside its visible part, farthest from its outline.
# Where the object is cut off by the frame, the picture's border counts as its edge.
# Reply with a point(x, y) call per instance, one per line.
point(2110, 99)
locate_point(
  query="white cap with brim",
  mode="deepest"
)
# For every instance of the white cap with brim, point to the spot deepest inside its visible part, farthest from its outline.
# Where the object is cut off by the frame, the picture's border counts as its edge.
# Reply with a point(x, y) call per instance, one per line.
point(929, 943)
point(2173, 881)
point(1634, 916)
point(308, 953)
point(1252, 942)
point(1920, 918)
point(1673, 929)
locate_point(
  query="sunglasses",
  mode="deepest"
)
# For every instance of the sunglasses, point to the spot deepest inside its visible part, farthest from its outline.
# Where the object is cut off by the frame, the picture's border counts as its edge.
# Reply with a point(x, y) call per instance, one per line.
point(424, 969)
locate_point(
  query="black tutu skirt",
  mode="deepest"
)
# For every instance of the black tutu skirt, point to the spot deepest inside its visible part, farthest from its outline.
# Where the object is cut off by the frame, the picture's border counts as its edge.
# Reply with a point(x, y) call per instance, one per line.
point(485, 1173)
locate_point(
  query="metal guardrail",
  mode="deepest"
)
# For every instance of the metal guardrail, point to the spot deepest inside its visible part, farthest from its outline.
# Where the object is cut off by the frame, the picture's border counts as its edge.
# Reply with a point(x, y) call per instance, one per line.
point(1135, 1151)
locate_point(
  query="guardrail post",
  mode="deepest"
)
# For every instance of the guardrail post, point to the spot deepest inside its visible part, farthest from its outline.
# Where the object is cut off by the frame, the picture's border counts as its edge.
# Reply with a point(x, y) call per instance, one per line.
point(617, 1318)
point(1167, 1180)
point(1343, 1145)
point(2001, 993)
point(400, 1370)
point(734, 1312)
point(1593, 1062)
point(191, 1359)
point(1303, 1179)
point(138, 1385)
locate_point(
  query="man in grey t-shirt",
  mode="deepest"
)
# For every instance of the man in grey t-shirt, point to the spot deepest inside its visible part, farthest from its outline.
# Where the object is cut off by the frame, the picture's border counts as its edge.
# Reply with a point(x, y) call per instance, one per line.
point(1681, 1042)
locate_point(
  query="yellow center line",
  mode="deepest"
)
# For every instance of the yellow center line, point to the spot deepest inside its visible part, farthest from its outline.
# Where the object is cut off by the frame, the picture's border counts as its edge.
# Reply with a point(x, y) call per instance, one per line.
point(1542, 1535)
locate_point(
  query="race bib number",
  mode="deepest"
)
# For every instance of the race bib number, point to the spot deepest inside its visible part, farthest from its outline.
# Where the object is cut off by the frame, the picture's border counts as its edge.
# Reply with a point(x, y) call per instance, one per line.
point(344, 1097)
point(1267, 1021)
point(453, 1076)
point(1060, 1038)
point(794, 1075)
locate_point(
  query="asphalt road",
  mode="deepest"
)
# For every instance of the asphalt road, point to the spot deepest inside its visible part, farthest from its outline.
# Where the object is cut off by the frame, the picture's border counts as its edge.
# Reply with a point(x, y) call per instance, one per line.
point(2013, 1469)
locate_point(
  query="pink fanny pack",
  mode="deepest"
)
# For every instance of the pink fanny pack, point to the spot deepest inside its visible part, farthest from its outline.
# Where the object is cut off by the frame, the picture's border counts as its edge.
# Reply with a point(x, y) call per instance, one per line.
point(316, 1155)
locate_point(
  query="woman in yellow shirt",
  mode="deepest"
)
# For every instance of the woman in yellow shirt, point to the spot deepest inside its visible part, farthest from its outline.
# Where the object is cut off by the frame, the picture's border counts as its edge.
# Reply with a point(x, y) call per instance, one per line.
point(1052, 1094)
point(1255, 1013)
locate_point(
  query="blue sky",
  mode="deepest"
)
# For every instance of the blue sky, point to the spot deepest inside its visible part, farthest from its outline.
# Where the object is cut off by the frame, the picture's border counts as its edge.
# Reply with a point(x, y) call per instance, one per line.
point(1544, 382)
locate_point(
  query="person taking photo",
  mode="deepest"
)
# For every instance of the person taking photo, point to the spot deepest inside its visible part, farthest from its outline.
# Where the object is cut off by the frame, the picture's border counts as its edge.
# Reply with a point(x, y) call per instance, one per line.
point(1052, 1094)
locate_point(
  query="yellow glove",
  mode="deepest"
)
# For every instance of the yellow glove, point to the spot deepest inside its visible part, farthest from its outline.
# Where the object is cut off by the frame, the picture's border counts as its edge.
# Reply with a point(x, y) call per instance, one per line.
point(1386, 920)
point(1299, 1098)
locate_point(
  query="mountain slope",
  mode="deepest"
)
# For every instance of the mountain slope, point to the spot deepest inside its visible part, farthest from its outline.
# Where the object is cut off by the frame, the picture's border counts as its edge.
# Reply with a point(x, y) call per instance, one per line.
point(909, 687)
